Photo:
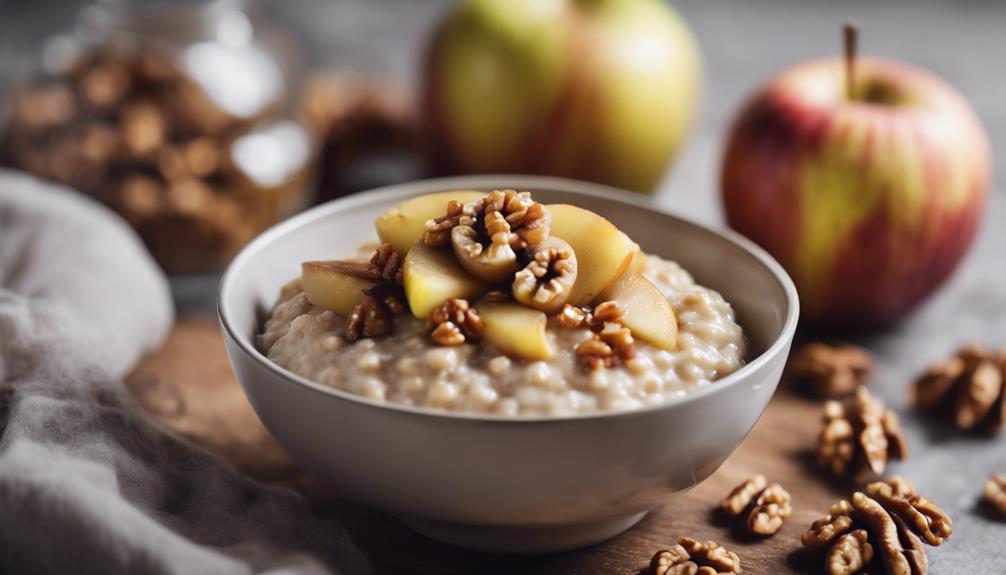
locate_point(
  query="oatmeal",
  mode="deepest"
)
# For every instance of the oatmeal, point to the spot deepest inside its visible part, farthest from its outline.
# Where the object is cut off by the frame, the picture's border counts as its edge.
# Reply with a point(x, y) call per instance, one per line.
point(659, 336)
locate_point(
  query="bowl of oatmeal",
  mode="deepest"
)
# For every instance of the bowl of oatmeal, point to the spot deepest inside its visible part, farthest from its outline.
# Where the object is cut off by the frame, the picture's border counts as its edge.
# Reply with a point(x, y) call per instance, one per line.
point(506, 363)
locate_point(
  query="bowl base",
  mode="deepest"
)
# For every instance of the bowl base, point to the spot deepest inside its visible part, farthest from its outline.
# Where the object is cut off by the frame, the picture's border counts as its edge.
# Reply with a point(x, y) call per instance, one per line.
point(524, 540)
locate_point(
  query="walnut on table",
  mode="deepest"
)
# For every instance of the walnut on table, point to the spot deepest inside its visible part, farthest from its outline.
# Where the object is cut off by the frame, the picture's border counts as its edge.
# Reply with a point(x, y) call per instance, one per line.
point(693, 557)
point(764, 507)
point(995, 493)
point(968, 387)
point(831, 370)
point(881, 529)
point(859, 436)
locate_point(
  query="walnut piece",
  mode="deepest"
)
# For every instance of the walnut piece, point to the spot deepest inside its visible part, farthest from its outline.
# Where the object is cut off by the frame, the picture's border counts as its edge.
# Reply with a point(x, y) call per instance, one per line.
point(969, 387)
point(831, 370)
point(369, 318)
point(438, 231)
point(692, 557)
point(859, 436)
point(850, 553)
point(763, 506)
point(454, 322)
point(995, 493)
point(547, 280)
point(884, 528)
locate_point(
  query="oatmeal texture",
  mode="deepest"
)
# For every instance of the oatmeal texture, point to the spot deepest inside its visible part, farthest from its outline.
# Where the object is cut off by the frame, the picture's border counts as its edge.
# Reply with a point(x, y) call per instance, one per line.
point(406, 368)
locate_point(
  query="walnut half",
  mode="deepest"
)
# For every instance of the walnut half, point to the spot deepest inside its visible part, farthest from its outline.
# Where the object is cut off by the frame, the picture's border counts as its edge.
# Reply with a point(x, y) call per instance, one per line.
point(995, 493)
point(859, 436)
point(693, 557)
point(883, 529)
point(763, 506)
point(830, 370)
point(970, 387)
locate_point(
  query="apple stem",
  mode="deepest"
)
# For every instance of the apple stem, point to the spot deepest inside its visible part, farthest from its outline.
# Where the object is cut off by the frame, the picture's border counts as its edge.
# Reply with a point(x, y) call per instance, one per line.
point(850, 34)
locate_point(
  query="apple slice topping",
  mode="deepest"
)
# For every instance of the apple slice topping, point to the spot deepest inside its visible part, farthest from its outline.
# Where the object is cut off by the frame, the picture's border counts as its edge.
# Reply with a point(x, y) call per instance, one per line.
point(443, 250)
point(602, 251)
point(404, 225)
point(645, 310)
point(516, 330)
point(433, 276)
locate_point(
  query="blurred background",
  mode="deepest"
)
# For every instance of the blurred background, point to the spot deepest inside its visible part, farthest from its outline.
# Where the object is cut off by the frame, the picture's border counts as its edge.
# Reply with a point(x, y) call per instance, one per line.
point(326, 99)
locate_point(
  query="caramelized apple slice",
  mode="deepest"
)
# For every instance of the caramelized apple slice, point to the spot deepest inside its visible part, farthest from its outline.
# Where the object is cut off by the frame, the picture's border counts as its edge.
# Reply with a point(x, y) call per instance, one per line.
point(403, 225)
point(325, 287)
point(645, 310)
point(516, 330)
point(433, 276)
point(602, 251)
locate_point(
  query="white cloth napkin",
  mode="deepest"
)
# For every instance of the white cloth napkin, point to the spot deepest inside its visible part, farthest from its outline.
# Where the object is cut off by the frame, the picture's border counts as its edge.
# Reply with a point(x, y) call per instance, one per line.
point(87, 483)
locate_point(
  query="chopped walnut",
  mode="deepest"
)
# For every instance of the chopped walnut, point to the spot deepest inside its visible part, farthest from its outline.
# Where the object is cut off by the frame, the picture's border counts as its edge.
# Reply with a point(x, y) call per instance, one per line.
point(968, 386)
point(831, 370)
point(491, 230)
point(859, 436)
point(765, 507)
point(454, 322)
point(388, 264)
point(850, 554)
point(438, 231)
point(995, 493)
point(369, 318)
point(611, 342)
point(547, 280)
point(692, 557)
point(882, 529)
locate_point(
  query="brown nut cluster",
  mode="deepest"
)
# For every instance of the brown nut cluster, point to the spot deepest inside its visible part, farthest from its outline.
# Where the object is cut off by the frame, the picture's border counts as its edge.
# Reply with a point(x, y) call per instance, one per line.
point(693, 557)
point(995, 493)
point(881, 529)
point(610, 343)
point(830, 370)
point(137, 133)
point(454, 323)
point(968, 387)
point(547, 280)
point(373, 315)
point(764, 507)
point(859, 436)
point(488, 233)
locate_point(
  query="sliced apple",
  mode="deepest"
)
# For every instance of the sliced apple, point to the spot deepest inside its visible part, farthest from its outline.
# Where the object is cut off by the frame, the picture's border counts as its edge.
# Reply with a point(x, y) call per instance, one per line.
point(603, 252)
point(645, 310)
point(325, 287)
point(516, 330)
point(403, 225)
point(433, 276)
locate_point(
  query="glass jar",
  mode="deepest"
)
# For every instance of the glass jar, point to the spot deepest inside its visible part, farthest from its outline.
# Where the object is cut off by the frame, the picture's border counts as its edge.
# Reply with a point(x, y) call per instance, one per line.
point(174, 114)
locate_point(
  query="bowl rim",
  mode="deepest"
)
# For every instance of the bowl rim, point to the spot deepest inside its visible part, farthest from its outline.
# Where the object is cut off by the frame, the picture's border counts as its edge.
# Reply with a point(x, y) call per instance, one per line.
point(416, 187)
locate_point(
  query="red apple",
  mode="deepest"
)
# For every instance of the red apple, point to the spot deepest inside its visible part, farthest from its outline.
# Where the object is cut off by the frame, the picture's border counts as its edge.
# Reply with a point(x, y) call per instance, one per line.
point(869, 201)
point(600, 90)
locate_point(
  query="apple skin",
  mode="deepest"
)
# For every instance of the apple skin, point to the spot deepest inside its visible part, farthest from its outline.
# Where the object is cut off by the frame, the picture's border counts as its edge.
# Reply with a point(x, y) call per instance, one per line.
point(598, 90)
point(869, 204)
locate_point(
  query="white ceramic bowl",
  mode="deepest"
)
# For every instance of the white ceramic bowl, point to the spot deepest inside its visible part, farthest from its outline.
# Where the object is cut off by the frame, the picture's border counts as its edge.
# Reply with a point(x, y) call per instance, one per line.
point(526, 485)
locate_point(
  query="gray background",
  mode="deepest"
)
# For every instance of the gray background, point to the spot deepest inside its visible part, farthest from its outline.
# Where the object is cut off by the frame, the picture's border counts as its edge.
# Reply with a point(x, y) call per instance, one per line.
point(744, 42)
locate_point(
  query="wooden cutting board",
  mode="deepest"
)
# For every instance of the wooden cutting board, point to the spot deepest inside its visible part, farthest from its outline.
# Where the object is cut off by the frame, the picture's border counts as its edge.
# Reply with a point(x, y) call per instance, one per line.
point(188, 388)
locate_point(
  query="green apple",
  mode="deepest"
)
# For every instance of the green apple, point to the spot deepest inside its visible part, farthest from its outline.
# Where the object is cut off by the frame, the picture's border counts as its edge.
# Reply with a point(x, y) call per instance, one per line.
point(868, 199)
point(600, 90)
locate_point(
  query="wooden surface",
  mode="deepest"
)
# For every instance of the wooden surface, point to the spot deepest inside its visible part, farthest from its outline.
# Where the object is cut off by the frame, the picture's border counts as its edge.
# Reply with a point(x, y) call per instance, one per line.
point(188, 387)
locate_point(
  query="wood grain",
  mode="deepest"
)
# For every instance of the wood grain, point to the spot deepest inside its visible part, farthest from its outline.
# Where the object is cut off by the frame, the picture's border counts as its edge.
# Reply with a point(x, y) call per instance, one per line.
point(188, 388)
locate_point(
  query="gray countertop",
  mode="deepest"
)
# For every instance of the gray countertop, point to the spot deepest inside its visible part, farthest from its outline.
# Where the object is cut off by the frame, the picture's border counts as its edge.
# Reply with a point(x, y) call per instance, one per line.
point(743, 43)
